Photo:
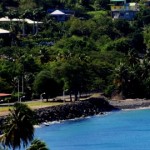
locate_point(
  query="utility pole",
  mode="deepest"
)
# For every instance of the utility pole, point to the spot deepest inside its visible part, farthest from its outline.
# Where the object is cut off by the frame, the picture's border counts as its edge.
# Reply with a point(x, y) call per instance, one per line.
point(18, 91)
point(22, 85)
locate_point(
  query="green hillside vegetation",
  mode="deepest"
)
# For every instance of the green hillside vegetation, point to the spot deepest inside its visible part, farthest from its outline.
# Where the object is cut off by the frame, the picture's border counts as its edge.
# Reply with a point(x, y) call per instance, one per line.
point(90, 52)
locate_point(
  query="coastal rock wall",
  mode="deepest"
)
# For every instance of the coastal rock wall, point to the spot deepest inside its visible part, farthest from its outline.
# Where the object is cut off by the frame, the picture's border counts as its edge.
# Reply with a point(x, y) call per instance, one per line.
point(72, 110)
point(89, 107)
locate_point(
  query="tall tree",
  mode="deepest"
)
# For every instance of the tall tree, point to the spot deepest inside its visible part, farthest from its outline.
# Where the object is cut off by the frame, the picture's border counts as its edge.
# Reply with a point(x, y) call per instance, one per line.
point(44, 83)
point(27, 4)
point(18, 128)
point(146, 34)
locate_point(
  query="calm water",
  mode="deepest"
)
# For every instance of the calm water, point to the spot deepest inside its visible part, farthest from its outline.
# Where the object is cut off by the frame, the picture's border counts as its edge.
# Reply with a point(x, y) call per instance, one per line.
point(124, 130)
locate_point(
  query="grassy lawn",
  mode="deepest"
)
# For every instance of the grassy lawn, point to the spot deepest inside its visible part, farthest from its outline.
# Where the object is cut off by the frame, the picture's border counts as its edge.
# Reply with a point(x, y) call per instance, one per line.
point(3, 109)
point(97, 14)
point(32, 105)
point(38, 104)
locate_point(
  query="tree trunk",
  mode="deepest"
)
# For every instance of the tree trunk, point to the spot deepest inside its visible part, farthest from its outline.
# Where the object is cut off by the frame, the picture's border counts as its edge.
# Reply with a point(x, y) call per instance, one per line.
point(76, 96)
point(70, 98)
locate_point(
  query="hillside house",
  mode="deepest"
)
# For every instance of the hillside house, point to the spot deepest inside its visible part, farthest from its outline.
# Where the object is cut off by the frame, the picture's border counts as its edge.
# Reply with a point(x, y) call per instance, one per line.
point(122, 10)
point(60, 15)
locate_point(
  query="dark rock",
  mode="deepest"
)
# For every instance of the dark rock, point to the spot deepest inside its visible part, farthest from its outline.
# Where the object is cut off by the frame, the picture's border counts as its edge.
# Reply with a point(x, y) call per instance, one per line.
point(72, 110)
point(89, 107)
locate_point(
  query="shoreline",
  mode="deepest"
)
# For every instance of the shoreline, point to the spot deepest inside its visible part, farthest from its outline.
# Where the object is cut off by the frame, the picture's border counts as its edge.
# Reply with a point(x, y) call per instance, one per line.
point(130, 104)
point(78, 109)
point(121, 105)
point(83, 109)
point(43, 124)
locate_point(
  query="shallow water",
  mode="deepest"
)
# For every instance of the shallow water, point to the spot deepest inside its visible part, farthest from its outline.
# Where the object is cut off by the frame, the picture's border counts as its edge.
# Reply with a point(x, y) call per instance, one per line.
point(122, 130)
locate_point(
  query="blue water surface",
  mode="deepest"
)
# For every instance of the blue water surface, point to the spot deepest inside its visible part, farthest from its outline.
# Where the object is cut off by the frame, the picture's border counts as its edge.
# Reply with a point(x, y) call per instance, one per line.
point(122, 130)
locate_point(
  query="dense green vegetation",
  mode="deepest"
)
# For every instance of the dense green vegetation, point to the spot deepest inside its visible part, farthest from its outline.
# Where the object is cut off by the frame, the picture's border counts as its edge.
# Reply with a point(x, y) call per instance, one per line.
point(37, 145)
point(17, 131)
point(89, 52)
point(18, 128)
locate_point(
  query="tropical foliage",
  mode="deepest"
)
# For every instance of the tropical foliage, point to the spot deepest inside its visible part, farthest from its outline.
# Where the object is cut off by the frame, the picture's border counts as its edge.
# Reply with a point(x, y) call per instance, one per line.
point(89, 52)
point(18, 128)
point(37, 145)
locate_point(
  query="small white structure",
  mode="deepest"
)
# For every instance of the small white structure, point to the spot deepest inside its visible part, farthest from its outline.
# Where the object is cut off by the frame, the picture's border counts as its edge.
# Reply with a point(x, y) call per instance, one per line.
point(57, 12)
point(59, 15)
point(29, 21)
point(5, 19)
point(2, 31)
point(26, 20)
point(17, 20)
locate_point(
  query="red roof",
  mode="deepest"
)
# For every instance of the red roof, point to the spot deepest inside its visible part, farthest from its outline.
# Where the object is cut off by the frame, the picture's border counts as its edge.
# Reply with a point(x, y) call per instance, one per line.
point(4, 94)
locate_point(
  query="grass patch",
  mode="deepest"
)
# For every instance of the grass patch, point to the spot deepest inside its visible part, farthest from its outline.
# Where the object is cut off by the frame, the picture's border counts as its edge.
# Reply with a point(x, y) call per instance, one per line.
point(32, 105)
point(5, 109)
point(97, 14)
point(42, 104)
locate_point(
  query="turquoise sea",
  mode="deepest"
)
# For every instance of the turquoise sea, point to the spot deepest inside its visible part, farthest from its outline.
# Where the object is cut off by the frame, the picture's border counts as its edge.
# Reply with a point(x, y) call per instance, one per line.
point(121, 130)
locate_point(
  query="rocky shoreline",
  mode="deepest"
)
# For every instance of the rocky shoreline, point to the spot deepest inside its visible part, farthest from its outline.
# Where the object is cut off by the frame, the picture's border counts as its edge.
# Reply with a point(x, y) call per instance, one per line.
point(130, 103)
point(91, 106)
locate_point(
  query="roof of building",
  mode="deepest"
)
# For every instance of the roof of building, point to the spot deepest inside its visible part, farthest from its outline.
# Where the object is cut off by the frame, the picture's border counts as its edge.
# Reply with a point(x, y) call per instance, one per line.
point(2, 31)
point(17, 19)
point(132, 4)
point(57, 12)
point(29, 21)
point(66, 11)
point(4, 94)
point(3, 19)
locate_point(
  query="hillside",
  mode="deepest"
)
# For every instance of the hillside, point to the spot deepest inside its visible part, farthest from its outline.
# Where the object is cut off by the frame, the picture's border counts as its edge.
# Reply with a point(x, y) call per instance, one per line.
point(86, 52)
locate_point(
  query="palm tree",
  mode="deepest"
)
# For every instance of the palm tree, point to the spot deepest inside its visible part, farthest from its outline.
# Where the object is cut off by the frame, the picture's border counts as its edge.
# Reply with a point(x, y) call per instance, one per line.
point(18, 129)
point(37, 145)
